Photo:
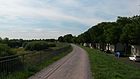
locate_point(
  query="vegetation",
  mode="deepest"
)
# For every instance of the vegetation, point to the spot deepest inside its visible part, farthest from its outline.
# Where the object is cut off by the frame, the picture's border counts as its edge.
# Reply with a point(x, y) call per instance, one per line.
point(39, 60)
point(12, 46)
point(5, 50)
point(51, 44)
point(125, 30)
point(66, 38)
point(104, 66)
point(36, 45)
point(15, 43)
point(28, 56)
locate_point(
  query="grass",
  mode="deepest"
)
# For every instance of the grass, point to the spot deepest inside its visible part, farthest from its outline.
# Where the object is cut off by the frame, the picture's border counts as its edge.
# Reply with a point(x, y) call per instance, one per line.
point(104, 66)
point(32, 69)
point(59, 45)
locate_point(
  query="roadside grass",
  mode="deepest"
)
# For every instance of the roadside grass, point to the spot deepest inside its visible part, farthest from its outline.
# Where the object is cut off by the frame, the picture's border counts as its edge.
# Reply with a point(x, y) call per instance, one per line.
point(104, 66)
point(32, 69)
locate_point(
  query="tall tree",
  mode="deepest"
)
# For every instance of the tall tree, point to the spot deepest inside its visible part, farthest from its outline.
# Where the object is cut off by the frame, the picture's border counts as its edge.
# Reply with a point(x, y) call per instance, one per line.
point(60, 39)
point(68, 38)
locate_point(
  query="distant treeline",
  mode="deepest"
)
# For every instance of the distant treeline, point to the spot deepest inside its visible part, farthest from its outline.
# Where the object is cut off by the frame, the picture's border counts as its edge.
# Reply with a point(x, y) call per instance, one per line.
point(7, 45)
point(125, 30)
point(15, 43)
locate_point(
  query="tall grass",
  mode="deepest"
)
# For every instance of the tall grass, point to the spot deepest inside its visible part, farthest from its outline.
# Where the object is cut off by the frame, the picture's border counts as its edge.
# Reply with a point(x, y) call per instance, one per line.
point(104, 66)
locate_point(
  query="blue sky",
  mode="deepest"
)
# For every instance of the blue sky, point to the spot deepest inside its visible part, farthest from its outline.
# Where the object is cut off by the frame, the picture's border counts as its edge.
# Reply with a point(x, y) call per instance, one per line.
point(34, 19)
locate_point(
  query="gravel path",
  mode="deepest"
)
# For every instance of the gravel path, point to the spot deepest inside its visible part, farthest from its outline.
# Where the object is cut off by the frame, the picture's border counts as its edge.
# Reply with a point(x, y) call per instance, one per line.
point(73, 66)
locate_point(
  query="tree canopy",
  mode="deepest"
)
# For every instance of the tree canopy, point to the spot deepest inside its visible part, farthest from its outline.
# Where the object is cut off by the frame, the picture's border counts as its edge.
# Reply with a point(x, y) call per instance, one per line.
point(124, 30)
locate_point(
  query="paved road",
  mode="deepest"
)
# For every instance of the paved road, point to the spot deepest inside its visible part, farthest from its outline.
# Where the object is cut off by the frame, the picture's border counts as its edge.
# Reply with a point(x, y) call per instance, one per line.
point(73, 66)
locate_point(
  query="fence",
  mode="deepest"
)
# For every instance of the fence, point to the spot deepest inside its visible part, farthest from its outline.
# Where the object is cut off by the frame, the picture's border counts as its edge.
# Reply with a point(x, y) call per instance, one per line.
point(14, 63)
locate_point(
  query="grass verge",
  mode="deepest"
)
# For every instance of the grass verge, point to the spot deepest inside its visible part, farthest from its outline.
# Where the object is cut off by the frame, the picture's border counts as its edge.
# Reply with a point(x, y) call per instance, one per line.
point(30, 70)
point(104, 66)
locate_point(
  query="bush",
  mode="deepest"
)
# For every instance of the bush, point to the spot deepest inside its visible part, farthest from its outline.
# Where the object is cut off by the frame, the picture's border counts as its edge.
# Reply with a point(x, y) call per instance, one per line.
point(52, 45)
point(5, 50)
point(24, 44)
point(36, 45)
point(14, 44)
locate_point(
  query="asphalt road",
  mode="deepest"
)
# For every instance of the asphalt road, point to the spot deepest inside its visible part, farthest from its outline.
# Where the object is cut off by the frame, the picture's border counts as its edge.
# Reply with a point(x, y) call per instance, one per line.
point(73, 66)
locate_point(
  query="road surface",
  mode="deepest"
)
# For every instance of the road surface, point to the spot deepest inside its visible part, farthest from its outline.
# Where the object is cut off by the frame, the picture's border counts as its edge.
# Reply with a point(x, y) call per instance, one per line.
point(73, 66)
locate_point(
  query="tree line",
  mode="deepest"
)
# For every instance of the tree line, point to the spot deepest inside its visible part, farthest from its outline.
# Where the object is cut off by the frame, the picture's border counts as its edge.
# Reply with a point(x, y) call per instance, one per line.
point(7, 45)
point(124, 30)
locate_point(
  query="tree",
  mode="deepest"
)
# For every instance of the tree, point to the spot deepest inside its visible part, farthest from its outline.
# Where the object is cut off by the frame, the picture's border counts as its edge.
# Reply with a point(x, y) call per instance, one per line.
point(68, 38)
point(80, 39)
point(113, 34)
point(0, 40)
point(6, 40)
point(61, 39)
point(131, 31)
point(74, 39)
point(125, 30)
point(15, 43)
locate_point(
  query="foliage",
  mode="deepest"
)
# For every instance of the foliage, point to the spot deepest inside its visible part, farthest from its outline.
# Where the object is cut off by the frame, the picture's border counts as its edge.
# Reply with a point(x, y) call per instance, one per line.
point(61, 39)
point(15, 43)
point(131, 31)
point(24, 44)
point(33, 68)
point(51, 45)
point(36, 45)
point(66, 38)
point(124, 30)
point(5, 50)
point(49, 40)
point(113, 33)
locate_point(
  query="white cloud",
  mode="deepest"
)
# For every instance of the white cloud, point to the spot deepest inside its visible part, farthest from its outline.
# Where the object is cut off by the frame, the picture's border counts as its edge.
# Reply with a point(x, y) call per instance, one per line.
point(34, 34)
point(120, 8)
point(12, 9)
point(68, 2)
point(11, 12)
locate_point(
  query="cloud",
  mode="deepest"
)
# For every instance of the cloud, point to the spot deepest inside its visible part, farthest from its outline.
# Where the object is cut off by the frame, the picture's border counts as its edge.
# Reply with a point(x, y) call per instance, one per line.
point(16, 8)
point(37, 33)
point(52, 18)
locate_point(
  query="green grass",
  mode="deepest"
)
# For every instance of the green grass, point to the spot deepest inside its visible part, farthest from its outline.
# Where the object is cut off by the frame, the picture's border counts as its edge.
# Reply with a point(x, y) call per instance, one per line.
point(59, 45)
point(32, 69)
point(104, 66)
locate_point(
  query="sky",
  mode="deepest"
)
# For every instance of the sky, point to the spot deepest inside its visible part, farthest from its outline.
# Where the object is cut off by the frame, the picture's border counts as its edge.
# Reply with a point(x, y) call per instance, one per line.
point(47, 19)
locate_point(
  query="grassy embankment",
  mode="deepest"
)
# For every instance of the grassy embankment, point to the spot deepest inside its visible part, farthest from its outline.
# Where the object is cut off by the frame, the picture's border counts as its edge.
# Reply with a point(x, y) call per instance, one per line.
point(24, 74)
point(104, 66)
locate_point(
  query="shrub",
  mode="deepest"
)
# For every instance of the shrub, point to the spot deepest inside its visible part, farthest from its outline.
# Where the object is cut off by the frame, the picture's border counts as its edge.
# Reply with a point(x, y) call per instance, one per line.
point(36, 45)
point(24, 44)
point(5, 50)
point(52, 45)
point(14, 44)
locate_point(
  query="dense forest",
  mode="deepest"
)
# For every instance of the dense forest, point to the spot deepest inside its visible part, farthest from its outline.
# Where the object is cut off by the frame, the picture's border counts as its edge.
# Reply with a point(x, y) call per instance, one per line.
point(125, 30)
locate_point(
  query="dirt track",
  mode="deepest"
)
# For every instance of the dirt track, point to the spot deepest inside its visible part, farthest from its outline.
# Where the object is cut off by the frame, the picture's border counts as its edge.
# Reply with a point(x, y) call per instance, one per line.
point(73, 66)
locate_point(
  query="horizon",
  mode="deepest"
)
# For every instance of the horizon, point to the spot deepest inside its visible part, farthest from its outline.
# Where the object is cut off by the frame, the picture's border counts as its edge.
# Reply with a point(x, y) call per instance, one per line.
point(47, 19)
